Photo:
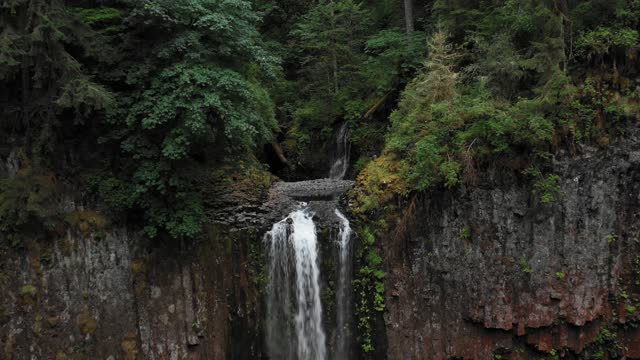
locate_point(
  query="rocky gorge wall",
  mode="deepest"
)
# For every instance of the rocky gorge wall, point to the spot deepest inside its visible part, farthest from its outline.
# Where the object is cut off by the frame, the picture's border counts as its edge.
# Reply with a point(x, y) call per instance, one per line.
point(90, 289)
point(491, 272)
point(487, 272)
point(118, 297)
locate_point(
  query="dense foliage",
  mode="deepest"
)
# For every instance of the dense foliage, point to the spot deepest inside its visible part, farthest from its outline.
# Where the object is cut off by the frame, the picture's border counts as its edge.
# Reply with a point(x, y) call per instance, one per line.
point(165, 87)
point(509, 80)
point(140, 104)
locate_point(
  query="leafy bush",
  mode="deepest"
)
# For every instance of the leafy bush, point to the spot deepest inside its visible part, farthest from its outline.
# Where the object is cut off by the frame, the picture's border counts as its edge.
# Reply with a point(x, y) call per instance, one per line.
point(545, 188)
point(197, 88)
point(498, 83)
point(369, 286)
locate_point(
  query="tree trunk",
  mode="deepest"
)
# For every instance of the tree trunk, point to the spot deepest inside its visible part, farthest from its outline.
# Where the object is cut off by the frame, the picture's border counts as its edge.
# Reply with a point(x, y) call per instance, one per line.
point(280, 153)
point(408, 15)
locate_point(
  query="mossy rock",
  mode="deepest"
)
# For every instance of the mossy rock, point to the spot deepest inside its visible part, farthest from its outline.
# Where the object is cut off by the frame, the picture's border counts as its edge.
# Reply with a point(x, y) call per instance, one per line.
point(53, 321)
point(87, 221)
point(87, 324)
point(137, 266)
point(130, 346)
point(67, 247)
point(28, 291)
point(28, 294)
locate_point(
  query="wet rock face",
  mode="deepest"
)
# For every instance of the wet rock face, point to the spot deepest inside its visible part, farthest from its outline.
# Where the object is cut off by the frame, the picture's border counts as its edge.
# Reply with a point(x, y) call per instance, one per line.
point(120, 297)
point(240, 210)
point(114, 294)
point(322, 196)
point(67, 295)
point(320, 189)
point(491, 270)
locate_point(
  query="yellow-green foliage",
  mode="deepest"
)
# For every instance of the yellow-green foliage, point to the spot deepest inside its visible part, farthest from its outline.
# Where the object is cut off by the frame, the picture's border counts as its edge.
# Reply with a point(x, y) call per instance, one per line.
point(380, 181)
point(244, 180)
point(100, 15)
point(28, 290)
point(519, 93)
point(545, 188)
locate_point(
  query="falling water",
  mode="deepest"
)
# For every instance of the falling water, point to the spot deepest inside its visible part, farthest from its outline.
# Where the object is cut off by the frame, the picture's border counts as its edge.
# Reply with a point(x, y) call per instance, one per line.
point(294, 311)
point(341, 162)
point(343, 294)
point(293, 292)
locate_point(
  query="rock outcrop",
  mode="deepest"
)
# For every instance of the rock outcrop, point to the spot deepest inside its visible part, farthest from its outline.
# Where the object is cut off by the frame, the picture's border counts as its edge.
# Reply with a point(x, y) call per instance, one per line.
point(473, 273)
point(118, 296)
point(492, 271)
point(111, 293)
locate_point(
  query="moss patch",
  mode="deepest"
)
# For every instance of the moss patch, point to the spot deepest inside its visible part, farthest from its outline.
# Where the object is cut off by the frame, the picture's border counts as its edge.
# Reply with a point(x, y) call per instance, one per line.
point(130, 346)
point(137, 266)
point(86, 221)
point(28, 290)
point(87, 323)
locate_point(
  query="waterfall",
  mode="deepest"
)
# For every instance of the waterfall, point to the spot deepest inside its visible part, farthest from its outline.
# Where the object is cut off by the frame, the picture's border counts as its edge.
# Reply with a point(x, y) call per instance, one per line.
point(341, 161)
point(294, 328)
point(343, 290)
point(293, 291)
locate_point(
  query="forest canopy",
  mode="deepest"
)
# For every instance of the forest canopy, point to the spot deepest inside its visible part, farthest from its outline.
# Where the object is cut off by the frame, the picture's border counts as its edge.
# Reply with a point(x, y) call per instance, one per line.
point(138, 103)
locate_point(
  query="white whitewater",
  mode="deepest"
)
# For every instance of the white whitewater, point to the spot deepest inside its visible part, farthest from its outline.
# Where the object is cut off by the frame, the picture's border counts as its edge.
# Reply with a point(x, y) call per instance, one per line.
point(294, 311)
point(341, 161)
point(293, 292)
point(343, 290)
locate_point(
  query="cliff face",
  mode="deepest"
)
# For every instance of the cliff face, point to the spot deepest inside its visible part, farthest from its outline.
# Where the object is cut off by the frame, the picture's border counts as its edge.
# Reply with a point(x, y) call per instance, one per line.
point(476, 272)
point(492, 271)
point(117, 296)
point(104, 292)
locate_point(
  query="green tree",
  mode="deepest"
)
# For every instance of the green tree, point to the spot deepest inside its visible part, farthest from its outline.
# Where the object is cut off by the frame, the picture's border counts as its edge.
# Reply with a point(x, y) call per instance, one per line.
point(330, 42)
point(195, 79)
point(44, 88)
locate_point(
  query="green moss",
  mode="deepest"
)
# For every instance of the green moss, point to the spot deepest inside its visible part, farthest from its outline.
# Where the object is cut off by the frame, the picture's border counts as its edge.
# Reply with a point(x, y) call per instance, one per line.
point(524, 266)
point(631, 309)
point(370, 289)
point(382, 180)
point(28, 290)
point(606, 345)
point(117, 194)
point(87, 221)
point(47, 255)
point(258, 261)
point(87, 324)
